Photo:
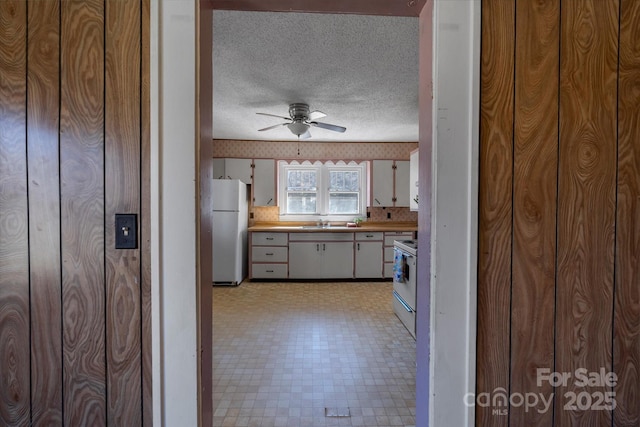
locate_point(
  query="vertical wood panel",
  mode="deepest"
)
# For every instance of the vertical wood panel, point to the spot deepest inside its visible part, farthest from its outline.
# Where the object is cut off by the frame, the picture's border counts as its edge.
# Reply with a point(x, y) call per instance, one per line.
point(14, 258)
point(627, 291)
point(586, 209)
point(122, 190)
point(82, 211)
point(145, 218)
point(534, 204)
point(44, 212)
point(495, 205)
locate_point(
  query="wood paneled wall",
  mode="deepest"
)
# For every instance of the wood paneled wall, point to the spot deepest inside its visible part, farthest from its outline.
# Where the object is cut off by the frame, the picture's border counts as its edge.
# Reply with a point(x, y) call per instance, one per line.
point(75, 329)
point(559, 215)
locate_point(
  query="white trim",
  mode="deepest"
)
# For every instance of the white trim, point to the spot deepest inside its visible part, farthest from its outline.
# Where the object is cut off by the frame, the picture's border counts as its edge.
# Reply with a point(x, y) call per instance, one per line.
point(454, 228)
point(454, 211)
point(323, 170)
point(174, 133)
point(156, 278)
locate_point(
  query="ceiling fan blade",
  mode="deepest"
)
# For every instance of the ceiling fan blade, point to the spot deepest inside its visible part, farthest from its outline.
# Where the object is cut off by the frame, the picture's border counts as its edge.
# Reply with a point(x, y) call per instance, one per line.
point(315, 115)
point(328, 126)
point(273, 127)
point(305, 135)
point(273, 115)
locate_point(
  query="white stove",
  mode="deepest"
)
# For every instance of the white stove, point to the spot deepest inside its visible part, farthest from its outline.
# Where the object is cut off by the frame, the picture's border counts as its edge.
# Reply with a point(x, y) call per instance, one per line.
point(409, 246)
point(404, 283)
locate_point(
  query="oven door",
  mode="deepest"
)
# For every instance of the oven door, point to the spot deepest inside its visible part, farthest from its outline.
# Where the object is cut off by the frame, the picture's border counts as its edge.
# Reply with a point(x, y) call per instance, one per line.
point(404, 277)
point(405, 313)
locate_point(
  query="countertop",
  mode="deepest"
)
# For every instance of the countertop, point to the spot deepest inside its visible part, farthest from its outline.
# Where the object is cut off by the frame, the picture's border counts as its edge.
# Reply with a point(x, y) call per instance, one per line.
point(301, 227)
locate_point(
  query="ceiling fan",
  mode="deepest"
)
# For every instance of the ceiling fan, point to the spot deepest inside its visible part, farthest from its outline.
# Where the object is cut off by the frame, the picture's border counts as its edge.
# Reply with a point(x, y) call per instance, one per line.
point(301, 119)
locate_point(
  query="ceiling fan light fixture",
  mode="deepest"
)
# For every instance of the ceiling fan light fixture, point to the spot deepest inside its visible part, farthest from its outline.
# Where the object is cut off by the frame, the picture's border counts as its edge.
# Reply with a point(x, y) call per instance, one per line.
point(298, 128)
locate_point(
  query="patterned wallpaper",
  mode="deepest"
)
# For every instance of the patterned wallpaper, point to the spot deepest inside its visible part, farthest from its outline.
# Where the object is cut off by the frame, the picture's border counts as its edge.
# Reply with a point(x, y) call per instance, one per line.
point(288, 150)
point(305, 150)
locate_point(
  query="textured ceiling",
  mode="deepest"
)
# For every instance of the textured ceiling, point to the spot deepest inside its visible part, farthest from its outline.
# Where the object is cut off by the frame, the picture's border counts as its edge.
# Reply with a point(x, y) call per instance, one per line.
point(362, 71)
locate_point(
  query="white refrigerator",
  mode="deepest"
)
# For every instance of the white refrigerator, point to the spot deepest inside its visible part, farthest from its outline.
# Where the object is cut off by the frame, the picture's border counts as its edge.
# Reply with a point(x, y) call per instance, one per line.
point(230, 222)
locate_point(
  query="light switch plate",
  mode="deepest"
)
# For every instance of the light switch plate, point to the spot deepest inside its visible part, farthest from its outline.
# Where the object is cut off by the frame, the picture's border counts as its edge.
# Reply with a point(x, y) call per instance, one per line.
point(126, 231)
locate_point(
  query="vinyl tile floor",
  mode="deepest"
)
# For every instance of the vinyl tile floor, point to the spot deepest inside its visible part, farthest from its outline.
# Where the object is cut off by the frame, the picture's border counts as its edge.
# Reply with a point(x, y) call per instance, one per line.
point(311, 354)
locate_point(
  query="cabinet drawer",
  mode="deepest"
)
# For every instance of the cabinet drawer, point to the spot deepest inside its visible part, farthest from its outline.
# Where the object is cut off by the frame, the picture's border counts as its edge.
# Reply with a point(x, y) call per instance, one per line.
point(269, 271)
point(269, 239)
point(269, 254)
point(389, 237)
point(321, 237)
point(378, 235)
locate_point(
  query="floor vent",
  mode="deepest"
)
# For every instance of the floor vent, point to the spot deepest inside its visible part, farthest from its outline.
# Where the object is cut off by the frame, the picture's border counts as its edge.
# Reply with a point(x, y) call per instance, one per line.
point(337, 412)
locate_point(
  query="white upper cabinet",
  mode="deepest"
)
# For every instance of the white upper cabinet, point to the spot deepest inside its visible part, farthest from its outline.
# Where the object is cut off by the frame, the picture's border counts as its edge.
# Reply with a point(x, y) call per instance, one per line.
point(233, 169)
point(239, 169)
point(218, 168)
point(402, 183)
point(264, 182)
point(382, 182)
point(413, 181)
point(390, 183)
point(260, 173)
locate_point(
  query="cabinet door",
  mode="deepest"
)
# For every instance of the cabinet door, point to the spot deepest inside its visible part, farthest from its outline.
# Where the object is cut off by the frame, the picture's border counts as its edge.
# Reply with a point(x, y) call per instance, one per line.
point(305, 260)
point(239, 169)
point(368, 260)
point(337, 262)
point(264, 182)
point(413, 181)
point(218, 169)
point(402, 183)
point(382, 182)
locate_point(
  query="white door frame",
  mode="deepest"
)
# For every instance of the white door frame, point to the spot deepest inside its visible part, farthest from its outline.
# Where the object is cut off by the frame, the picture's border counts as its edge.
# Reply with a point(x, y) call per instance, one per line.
point(454, 210)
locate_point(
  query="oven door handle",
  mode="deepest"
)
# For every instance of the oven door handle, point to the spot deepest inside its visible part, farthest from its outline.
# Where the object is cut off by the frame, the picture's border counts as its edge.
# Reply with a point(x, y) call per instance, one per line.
point(401, 301)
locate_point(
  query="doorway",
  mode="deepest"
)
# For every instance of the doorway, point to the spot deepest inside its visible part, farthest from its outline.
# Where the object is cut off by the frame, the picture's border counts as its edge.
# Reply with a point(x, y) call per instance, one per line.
point(454, 170)
point(426, 69)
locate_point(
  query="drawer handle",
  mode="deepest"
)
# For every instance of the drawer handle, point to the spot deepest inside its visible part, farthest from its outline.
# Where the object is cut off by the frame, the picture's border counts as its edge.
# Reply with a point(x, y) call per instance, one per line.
point(269, 238)
point(269, 253)
point(401, 301)
point(269, 271)
point(369, 235)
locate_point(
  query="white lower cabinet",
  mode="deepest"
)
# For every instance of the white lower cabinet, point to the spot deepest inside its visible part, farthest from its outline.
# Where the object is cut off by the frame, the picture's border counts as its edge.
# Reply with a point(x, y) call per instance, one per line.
point(305, 260)
point(269, 255)
point(337, 262)
point(368, 255)
point(324, 255)
point(320, 260)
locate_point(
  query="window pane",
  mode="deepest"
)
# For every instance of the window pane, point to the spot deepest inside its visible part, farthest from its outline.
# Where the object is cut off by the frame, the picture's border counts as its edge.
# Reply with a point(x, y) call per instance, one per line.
point(343, 203)
point(301, 203)
point(301, 180)
point(344, 181)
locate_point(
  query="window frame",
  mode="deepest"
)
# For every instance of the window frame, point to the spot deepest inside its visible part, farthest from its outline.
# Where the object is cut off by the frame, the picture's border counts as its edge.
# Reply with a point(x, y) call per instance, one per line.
point(323, 184)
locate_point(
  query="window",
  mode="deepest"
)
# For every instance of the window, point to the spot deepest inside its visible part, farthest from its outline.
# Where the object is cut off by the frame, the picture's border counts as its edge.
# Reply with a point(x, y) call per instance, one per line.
point(302, 191)
point(344, 192)
point(331, 191)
